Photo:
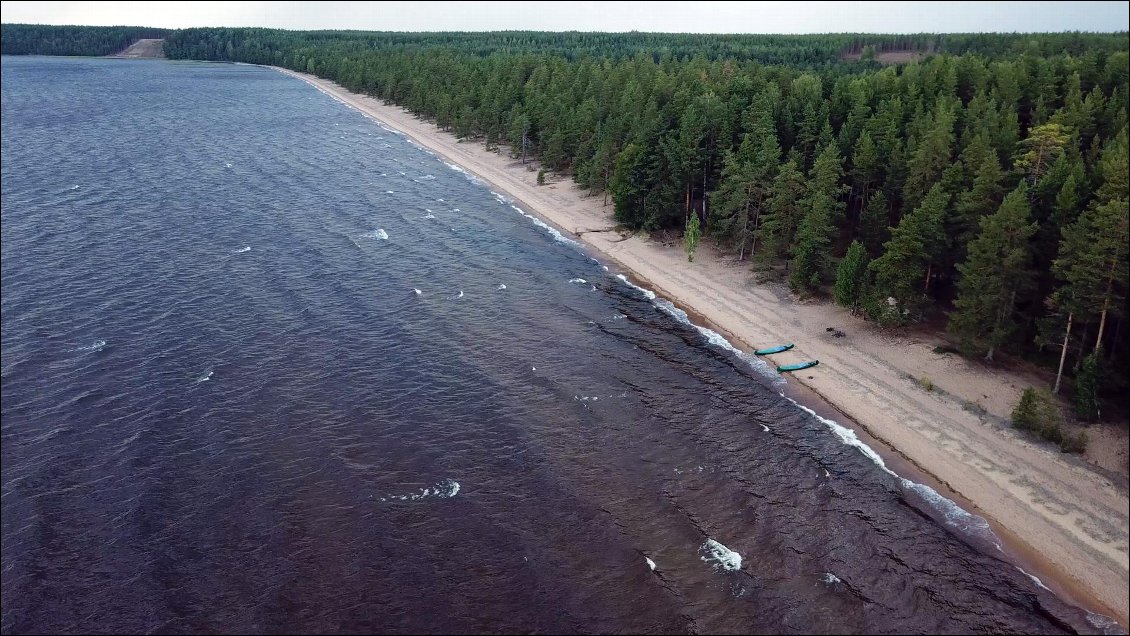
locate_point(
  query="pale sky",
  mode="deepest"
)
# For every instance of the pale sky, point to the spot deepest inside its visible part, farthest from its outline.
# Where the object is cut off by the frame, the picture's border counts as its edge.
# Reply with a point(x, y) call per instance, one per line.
point(684, 17)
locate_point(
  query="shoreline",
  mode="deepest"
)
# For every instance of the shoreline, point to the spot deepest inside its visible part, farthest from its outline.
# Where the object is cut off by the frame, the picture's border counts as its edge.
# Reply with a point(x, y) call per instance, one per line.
point(1067, 521)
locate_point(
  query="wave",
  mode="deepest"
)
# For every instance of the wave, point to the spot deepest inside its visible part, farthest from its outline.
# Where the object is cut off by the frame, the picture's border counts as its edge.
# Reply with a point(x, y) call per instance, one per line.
point(429, 215)
point(557, 236)
point(577, 280)
point(720, 555)
point(378, 233)
point(242, 250)
point(207, 375)
point(650, 563)
point(74, 187)
point(445, 489)
point(952, 514)
point(501, 286)
point(716, 339)
point(97, 345)
point(416, 291)
point(460, 294)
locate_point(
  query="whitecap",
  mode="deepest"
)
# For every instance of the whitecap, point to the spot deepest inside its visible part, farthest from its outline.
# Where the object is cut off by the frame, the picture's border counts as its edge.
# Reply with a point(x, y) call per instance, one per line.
point(417, 291)
point(378, 233)
point(577, 280)
point(713, 337)
point(427, 177)
point(460, 294)
point(952, 514)
point(207, 375)
point(456, 210)
point(227, 165)
point(764, 428)
point(830, 578)
point(75, 187)
point(97, 345)
point(445, 489)
point(501, 286)
point(241, 250)
point(650, 563)
point(429, 215)
point(1035, 579)
point(389, 192)
point(720, 555)
point(650, 295)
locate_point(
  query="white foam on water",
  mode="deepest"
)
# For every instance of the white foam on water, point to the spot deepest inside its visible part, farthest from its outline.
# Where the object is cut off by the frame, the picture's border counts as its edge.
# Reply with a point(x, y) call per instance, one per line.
point(646, 292)
point(715, 338)
point(75, 187)
point(440, 200)
point(207, 375)
point(830, 578)
point(445, 489)
point(241, 250)
point(417, 291)
point(389, 192)
point(720, 555)
point(953, 514)
point(501, 286)
point(97, 345)
point(429, 215)
point(460, 294)
point(557, 236)
point(764, 428)
point(378, 233)
point(577, 280)
point(455, 167)
point(456, 210)
point(1035, 579)
point(826, 473)
point(1105, 624)
point(227, 165)
point(650, 563)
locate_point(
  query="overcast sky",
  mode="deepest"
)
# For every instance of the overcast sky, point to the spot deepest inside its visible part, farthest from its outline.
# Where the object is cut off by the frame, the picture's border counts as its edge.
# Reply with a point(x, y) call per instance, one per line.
point(692, 17)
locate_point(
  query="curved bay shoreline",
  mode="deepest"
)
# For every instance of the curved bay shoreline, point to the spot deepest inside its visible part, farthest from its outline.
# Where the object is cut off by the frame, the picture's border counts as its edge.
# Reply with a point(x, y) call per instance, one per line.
point(1057, 516)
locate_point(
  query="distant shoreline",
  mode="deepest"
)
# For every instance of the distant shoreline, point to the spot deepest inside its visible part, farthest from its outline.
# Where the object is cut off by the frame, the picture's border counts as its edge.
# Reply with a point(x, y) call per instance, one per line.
point(1068, 520)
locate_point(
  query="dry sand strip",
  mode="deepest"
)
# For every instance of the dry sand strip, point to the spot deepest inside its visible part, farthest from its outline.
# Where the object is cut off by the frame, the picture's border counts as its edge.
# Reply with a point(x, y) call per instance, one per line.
point(1076, 519)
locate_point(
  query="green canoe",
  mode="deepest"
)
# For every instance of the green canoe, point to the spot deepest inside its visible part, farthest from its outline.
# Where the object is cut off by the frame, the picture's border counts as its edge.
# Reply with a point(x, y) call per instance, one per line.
point(797, 367)
point(770, 350)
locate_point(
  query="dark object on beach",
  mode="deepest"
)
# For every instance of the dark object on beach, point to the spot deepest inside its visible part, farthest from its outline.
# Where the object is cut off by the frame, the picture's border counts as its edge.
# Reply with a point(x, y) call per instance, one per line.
point(830, 329)
point(797, 367)
point(838, 334)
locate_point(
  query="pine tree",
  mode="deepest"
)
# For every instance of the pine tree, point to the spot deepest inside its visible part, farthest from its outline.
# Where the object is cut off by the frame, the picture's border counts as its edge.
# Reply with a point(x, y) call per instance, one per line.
point(992, 276)
point(1039, 151)
point(1087, 388)
point(980, 200)
point(822, 209)
point(745, 189)
point(851, 277)
point(692, 235)
point(784, 212)
point(811, 247)
point(902, 272)
point(930, 158)
point(874, 225)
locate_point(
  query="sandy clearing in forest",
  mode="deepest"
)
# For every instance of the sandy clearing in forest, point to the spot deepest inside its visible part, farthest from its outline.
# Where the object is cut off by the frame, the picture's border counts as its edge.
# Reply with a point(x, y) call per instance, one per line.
point(1075, 518)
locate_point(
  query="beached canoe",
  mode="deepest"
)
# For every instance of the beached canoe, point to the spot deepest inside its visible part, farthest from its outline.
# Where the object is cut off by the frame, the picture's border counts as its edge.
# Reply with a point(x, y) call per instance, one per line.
point(797, 367)
point(771, 350)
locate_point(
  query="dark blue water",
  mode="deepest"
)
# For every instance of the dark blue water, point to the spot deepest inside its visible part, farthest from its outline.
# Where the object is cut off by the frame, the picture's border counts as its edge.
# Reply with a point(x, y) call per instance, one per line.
point(226, 407)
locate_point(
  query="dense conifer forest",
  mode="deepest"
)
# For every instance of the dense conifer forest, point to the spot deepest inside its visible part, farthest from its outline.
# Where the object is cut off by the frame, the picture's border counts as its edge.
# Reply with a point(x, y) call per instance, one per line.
point(979, 185)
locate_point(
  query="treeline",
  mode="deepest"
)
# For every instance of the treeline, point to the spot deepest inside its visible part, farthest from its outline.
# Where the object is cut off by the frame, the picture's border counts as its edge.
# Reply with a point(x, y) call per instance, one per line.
point(984, 186)
point(34, 39)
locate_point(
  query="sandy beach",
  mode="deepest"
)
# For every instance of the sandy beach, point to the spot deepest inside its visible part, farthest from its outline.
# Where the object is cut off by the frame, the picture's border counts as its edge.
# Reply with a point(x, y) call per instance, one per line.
point(1064, 514)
